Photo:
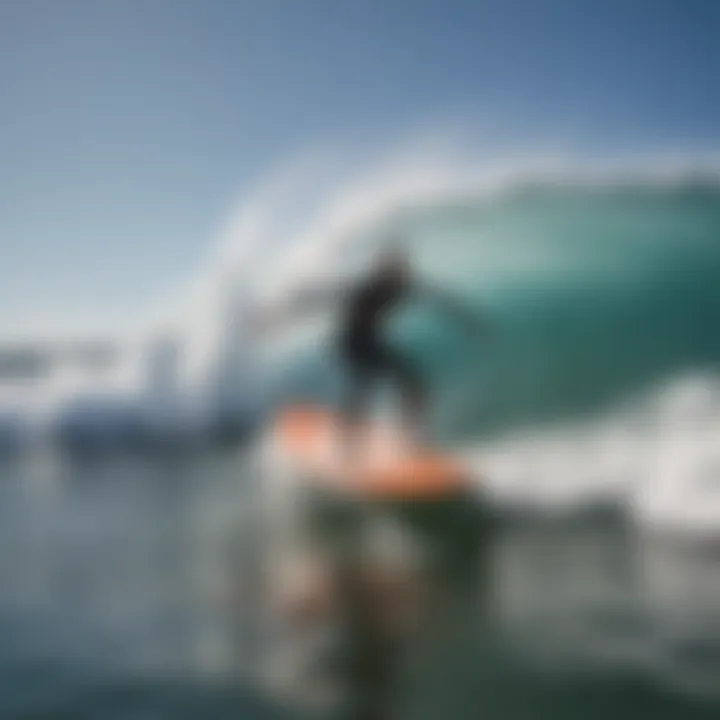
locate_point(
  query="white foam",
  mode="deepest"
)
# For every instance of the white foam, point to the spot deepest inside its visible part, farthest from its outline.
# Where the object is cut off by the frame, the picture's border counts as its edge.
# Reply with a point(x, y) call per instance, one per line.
point(659, 459)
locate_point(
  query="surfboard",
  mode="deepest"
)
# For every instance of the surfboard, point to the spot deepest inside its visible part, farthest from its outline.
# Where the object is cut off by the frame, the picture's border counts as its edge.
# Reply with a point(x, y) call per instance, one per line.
point(381, 464)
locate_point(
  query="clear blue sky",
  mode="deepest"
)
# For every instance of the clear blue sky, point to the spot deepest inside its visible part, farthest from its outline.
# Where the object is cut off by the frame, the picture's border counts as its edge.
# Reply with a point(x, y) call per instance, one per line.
point(129, 127)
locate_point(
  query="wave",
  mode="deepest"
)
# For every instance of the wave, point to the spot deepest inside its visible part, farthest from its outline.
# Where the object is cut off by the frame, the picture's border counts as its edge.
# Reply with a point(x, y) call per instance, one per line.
point(600, 277)
point(594, 291)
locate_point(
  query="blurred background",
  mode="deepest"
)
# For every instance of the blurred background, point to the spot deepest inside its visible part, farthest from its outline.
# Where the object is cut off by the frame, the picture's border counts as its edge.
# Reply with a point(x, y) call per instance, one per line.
point(170, 167)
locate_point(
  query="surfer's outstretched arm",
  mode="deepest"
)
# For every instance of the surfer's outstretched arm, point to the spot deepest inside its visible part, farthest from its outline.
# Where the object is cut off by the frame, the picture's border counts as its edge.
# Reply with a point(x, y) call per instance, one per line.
point(300, 303)
point(454, 307)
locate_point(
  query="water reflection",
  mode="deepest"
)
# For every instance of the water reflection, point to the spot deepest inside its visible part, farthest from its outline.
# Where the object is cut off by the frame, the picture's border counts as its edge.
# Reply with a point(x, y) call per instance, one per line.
point(146, 569)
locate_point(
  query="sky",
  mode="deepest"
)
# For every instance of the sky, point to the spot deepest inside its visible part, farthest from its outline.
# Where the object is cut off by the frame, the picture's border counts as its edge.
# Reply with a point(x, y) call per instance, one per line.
point(129, 129)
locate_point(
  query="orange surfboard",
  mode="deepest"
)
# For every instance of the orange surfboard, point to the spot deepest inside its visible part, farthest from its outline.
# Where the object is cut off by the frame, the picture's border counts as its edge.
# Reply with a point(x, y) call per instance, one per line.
point(376, 463)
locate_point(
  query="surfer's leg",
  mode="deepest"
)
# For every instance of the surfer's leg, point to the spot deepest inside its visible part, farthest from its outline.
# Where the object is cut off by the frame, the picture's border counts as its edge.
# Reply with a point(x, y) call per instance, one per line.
point(412, 389)
point(356, 395)
point(360, 378)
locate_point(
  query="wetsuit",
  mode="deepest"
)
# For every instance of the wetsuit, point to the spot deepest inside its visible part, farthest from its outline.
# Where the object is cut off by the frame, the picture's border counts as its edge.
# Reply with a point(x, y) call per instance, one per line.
point(364, 351)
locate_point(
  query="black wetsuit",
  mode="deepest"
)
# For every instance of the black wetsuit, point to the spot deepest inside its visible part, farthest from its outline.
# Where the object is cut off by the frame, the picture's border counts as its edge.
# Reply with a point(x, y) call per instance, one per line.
point(364, 350)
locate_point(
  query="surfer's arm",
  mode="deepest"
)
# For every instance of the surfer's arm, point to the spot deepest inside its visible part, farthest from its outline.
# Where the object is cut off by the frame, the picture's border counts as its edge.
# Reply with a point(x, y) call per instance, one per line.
point(296, 305)
point(455, 308)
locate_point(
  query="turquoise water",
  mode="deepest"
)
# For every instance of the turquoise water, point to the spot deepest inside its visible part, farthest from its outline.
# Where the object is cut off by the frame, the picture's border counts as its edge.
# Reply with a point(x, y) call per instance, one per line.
point(594, 294)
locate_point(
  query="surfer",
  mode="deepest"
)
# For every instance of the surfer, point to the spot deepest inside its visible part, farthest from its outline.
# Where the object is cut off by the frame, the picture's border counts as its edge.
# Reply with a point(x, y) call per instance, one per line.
point(373, 632)
point(361, 334)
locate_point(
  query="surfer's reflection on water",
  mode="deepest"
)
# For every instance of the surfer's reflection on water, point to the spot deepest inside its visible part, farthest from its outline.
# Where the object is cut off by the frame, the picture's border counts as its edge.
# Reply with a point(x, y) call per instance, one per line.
point(116, 600)
point(356, 593)
point(382, 615)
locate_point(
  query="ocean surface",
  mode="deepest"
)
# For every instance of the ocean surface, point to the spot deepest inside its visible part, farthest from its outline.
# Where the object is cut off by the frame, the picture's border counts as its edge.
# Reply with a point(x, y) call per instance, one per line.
point(589, 414)
point(120, 599)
